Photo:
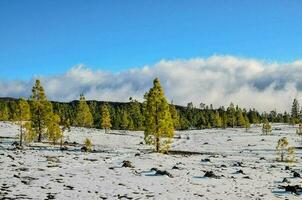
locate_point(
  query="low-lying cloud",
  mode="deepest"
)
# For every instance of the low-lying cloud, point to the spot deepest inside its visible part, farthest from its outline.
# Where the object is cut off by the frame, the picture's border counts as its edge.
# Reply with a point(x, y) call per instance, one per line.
point(216, 80)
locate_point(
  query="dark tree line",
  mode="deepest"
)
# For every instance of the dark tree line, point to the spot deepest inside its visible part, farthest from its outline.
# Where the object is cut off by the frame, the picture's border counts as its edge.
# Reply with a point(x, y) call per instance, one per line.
point(129, 116)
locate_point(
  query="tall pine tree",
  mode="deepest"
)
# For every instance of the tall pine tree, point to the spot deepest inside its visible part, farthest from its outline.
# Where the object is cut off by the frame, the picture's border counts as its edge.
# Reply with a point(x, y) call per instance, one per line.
point(295, 111)
point(41, 110)
point(159, 129)
point(105, 118)
point(83, 116)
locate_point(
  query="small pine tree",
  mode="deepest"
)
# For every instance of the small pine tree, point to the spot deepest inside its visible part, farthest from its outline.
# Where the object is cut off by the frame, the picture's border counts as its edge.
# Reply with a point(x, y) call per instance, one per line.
point(22, 117)
point(41, 110)
point(88, 144)
point(159, 129)
point(266, 127)
point(105, 118)
point(247, 124)
point(283, 149)
point(84, 117)
point(54, 133)
point(299, 130)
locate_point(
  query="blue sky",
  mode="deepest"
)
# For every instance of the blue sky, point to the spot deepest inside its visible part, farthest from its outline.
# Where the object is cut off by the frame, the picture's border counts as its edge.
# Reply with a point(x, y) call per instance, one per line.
point(49, 37)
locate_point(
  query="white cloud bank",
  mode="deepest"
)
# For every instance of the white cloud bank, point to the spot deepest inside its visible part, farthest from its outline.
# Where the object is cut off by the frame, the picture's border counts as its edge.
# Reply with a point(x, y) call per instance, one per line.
point(216, 80)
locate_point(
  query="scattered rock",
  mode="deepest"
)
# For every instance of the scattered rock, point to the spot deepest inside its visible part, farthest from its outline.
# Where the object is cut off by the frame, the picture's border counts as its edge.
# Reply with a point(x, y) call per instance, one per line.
point(68, 187)
point(210, 174)
point(91, 159)
point(15, 143)
point(262, 158)
point(50, 196)
point(64, 148)
point(223, 166)
point(296, 175)
point(285, 180)
point(175, 167)
point(127, 163)
point(11, 157)
point(162, 173)
point(238, 164)
point(84, 149)
point(292, 188)
point(137, 154)
point(205, 160)
point(287, 168)
point(239, 171)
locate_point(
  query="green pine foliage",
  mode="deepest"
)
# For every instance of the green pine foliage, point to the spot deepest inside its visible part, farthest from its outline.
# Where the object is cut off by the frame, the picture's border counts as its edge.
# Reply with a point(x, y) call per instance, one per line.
point(41, 110)
point(88, 144)
point(4, 113)
point(295, 112)
point(54, 132)
point(83, 116)
point(285, 153)
point(23, 117)
point(105, 118)
point(175, 117)
point(266, 127)
point(159, 129)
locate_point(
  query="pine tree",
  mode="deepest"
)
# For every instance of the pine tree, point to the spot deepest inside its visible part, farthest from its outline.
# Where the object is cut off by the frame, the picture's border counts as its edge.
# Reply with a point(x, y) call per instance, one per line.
point(4, 113)
point(281, 148)
point(125, 120)
point(159, 124)
point(295, 111)
point(136, 114)
point(231, 112)
point(247, 124)
point(23, 117)
point(83, 117)
point(105, 118)
point(299, 130)
point(41, 110)
point(218, 120)
point(88, 144)
point(54, 133)
point(239, 118)
point(266, 128)
point(175, 117)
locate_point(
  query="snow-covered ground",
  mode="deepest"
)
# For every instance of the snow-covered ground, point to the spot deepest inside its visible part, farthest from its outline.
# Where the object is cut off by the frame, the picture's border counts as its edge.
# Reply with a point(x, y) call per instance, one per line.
point(44, 172)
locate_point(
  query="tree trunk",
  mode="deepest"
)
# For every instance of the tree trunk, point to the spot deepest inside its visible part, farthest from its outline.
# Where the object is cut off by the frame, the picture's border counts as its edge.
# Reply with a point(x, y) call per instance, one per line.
point(157, 144)
point(21, 134)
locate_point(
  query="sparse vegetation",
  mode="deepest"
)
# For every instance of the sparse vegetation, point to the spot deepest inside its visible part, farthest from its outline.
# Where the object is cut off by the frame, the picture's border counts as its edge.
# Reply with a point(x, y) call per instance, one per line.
point(88, 144)
point(285, 153)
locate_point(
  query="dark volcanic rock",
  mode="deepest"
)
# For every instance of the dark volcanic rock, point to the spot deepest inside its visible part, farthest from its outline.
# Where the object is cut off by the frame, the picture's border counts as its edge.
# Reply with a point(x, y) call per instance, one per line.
point(127, 163)
point(296, 175)
point(210, 174)
point(163, 173)
point(84, 149)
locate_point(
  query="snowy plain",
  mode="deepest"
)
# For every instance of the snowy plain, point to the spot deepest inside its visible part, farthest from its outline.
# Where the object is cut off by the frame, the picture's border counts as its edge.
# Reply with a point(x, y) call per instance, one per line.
point(42, 171)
